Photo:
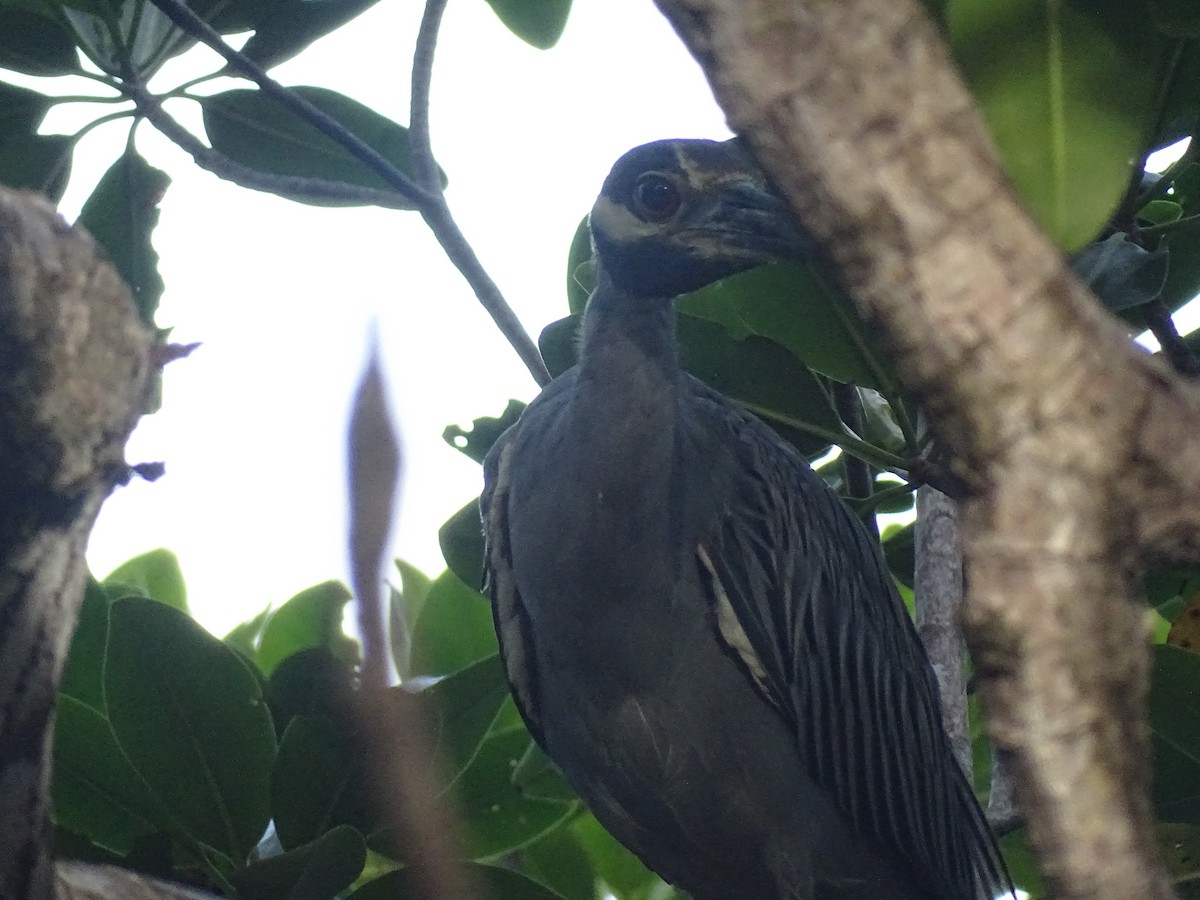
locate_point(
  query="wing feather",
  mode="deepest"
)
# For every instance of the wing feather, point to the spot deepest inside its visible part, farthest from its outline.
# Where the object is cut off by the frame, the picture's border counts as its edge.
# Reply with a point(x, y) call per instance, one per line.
point(840, 657)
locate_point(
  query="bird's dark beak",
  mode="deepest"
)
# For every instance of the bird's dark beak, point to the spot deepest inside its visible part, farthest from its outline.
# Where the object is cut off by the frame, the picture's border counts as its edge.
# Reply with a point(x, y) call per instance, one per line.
point(751, 219)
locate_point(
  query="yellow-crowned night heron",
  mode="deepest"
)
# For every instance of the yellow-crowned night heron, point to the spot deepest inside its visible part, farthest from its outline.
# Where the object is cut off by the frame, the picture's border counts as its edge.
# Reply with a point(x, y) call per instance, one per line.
point(695, 628)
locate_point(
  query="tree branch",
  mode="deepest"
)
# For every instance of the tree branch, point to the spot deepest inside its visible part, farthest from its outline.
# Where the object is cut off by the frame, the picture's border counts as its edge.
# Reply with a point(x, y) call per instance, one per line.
point(78, 363)
point(938, 596)
point(1078, 449)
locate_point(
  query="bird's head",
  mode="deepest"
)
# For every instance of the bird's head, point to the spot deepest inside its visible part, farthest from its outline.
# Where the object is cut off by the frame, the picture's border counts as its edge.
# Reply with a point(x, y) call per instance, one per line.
point(676, 215)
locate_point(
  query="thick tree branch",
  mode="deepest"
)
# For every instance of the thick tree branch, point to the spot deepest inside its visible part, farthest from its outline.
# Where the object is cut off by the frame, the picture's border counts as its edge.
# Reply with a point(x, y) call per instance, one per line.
point(1078, 447)
point(75, 362)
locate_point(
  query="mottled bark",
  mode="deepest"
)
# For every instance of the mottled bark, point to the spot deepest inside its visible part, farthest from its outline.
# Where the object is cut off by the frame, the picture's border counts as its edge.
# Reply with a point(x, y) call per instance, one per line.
point(75, 362)
point(1078, 447)
point(938, 587)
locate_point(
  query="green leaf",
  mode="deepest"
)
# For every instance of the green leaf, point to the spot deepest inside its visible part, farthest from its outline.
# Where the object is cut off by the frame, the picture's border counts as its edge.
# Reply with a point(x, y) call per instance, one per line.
point(485, 431)
point(581, 276)
point(1174, 708)
point(461, 709)
point(250, 128)
point(244, 638)
point(1183, 275)
point(559, 344)
point(404, 606)
point(155, 575)
point(313, 618)
point(95, 791)
point(1176, 18)
point(282, 28)
point(498, 883)
point(314, 783)
point(763, 377)
point(121, 215)
point(558, 860)
point(1069, 91)
point(1160, 212)
point(537, 22)
point(83, 676)
point(39, 163)
point(536, 776)
point(453, 630)
point(620, 870)
point(899, 549)
point(314, 871)
point(35, 44)
point(497, 818)
point(461, 540)
point(1121, 273)
point(309, 682)
point(190, 716)
point(800, 307)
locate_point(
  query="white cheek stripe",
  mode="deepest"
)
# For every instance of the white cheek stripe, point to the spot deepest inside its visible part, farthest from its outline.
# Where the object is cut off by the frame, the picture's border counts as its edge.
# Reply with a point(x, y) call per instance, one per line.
point(618, 223)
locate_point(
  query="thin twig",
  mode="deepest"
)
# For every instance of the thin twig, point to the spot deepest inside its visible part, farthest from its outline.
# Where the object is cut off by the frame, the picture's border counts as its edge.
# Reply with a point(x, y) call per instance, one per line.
point(1162, 326)
point(425, 168)
point(191, 23)
point(436, 212)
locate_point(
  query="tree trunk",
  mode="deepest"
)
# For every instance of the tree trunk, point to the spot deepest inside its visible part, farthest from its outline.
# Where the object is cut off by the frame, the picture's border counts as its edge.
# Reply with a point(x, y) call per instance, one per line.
point(1078, 447)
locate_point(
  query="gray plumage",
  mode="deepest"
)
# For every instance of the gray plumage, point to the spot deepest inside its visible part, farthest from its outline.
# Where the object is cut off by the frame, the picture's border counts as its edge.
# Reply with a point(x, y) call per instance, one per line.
point(695, 628)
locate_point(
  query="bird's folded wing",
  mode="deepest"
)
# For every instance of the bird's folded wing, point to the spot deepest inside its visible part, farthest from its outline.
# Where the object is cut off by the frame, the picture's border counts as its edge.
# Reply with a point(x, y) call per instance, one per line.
point(802, 595)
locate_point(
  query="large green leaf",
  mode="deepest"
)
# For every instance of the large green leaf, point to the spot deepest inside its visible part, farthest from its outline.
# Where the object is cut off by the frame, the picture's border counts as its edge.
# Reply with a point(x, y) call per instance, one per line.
point(95, 791)
point(801, 308)
point(155, 574)
point(251, 128)
point(497, 818)
point(190, 715)
point(453, 630)
point(1069, 90)
point(316, 782)
point(763, 377)
point(1174, 708)
point(559, 861)
point(537, 22)
point(313, 618)
point(499, 884)
point(315, 871)
point(83, 676)
point(461, 709)
point(121, 215)
point(35, 44)
point(620, 870)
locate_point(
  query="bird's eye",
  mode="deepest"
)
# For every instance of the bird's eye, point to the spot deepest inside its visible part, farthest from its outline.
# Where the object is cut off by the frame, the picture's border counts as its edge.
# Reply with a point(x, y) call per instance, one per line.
point(655, 198)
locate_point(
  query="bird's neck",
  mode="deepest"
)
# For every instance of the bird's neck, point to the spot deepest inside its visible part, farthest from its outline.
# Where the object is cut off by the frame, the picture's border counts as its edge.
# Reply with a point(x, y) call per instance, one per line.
point(628, 358)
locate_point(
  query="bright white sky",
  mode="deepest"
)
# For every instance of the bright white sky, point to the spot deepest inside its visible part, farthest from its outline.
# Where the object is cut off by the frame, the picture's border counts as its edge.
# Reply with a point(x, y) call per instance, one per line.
point(282, 295)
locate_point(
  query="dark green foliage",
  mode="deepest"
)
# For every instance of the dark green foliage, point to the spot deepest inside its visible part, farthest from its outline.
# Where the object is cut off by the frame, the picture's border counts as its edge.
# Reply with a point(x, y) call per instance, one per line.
point(253, 129)
point(537, 22)
point(121, 214)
